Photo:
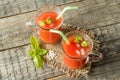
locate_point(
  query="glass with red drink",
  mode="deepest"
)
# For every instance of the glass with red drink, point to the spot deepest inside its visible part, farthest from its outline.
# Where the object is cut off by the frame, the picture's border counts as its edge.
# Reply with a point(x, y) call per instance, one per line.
point(46, 20)
point(76, 53)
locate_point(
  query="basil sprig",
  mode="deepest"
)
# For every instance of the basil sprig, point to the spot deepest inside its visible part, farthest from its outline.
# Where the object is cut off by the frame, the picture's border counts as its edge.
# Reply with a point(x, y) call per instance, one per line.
point(78, 39)
point(36, 52)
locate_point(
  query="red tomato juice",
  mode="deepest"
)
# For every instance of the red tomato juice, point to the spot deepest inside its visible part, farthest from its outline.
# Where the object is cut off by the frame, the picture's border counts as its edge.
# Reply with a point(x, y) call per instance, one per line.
point(45, 34)
point(75, 55)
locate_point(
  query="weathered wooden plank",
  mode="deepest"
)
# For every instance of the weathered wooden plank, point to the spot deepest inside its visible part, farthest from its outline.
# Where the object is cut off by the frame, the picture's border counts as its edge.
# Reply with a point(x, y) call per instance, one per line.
point(110, 71)
point(15, 66)
point(107, 69)
point(13, 33)
point(9, 65)
point(16, 28)
point(99, 2)
point(50, 1)
point(13, 7)
point(58, 2)
point(92, 18)
point(3, 2)
point(23, 6)
point(110, 51)
point(108, 74)
point(68, 1)
point(3, 68)
point(108, 32)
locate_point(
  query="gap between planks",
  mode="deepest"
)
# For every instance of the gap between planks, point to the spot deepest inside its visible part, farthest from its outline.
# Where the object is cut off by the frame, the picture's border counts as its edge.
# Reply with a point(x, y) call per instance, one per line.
point(55, 77)
point(36, 10)
point(95, 8)
point(104, 42)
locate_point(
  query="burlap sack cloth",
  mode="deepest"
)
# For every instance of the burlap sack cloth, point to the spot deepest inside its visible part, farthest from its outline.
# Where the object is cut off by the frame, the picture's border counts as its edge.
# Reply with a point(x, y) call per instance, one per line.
point(54, 57)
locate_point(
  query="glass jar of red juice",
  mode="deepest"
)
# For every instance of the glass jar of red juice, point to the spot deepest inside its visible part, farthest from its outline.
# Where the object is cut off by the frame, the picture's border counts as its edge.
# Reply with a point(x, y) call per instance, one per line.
point(76, 53)
point(46, 20)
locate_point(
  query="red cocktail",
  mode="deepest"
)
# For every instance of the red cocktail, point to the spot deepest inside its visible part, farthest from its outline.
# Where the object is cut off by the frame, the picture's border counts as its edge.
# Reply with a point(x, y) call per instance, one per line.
point(77, 51)
point(46, 20)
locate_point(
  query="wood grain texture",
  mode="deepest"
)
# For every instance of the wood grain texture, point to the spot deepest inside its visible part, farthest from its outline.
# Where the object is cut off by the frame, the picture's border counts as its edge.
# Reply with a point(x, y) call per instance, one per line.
point(107, 69)
point(95, 16)
point(16, 65)
point(12, 28)
point(99, 16)
point(15, 7)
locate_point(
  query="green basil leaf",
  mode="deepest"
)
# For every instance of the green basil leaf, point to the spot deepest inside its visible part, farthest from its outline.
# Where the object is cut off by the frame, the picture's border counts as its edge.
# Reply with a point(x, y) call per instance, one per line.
point(84, 44)
point(38, 61)
point(31, 53)
point(78, 39)
point(49, 20)
point(34, 42)
point(42, 52)
point(42, 23)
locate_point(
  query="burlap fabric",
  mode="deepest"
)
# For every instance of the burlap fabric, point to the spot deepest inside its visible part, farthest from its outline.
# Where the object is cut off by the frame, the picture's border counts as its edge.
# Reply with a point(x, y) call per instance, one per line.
point(54, 57)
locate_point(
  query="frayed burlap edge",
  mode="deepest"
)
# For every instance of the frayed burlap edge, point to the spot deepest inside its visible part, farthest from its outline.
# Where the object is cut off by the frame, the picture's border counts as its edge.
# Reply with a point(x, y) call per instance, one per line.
point(57, 62)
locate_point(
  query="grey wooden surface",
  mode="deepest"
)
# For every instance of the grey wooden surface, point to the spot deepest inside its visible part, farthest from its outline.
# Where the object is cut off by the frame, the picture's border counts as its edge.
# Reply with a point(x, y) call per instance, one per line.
point(100, 16)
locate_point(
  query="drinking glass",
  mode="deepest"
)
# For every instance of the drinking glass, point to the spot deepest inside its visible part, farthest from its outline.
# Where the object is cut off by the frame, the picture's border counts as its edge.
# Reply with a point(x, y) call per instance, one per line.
point(48, 14)
point(75, 55)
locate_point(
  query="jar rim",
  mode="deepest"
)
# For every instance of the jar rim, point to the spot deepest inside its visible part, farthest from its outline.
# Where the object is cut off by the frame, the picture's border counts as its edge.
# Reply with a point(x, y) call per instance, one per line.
point(90, 48)
point(58, 26)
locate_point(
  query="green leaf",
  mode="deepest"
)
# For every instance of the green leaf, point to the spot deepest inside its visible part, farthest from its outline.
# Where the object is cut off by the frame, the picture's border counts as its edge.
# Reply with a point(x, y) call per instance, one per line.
point(34, 42)
point(49, 20)
point(84, 44)
point(42, 23)
point(42, 51)
point(78, 39)
point(38, 61)
point(31, 53)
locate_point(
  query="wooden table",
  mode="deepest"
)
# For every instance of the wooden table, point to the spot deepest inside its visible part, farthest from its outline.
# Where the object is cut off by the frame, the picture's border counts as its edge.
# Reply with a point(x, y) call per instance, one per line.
point(100, 16)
